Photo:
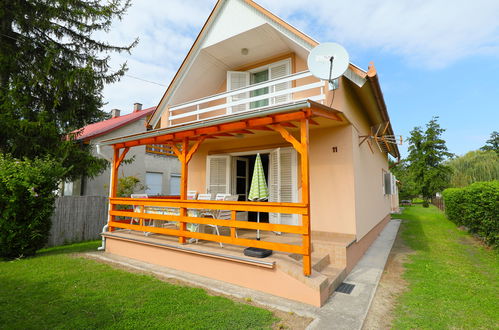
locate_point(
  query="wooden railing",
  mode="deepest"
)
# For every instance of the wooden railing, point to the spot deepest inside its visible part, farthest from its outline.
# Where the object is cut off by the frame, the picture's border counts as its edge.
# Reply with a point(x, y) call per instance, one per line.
point(159, 149)
point(292, 88)
point(233, 224)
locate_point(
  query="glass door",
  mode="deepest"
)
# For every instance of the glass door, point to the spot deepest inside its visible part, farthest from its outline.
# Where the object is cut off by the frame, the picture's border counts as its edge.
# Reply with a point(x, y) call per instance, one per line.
point(256, 78)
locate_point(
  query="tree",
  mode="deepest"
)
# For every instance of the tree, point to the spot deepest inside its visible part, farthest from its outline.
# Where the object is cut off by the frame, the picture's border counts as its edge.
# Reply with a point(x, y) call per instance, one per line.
point(52, 72)
point(475, 166)
point(407, 187)
point(427, 154)
point(492, 143)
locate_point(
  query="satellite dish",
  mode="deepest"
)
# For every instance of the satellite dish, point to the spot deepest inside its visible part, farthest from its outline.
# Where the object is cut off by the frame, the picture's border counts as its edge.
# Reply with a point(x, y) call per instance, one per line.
point(328, 61)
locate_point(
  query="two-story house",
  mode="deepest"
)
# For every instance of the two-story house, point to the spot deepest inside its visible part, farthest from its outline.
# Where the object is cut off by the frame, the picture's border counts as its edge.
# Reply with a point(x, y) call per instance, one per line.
point(244, 89)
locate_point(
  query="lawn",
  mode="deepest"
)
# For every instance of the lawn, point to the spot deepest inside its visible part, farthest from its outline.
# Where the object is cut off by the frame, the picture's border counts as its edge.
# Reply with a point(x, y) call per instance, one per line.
point(453, 280)
point(55, 290)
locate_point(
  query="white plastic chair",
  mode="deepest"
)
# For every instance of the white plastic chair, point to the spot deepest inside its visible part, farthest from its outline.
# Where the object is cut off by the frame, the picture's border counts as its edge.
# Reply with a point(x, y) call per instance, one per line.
point(192, 194)
point(222, 214)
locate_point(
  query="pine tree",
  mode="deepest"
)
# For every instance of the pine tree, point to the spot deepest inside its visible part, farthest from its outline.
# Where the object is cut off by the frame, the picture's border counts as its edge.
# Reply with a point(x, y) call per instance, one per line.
point(492, 143)
point(427, 155)
point(52, 72)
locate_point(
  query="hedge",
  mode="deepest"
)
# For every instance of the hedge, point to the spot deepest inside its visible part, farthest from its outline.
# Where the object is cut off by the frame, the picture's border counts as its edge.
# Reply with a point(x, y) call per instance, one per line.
point(27, 193)
point(477, 208)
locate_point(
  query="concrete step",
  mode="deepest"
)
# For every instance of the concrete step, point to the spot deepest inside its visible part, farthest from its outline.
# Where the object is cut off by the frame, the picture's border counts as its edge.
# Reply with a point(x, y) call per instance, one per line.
point(335, 276)
point(320, 262)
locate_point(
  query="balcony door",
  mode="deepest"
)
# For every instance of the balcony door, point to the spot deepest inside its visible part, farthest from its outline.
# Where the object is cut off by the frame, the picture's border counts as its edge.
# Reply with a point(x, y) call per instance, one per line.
point(231, 174)
point(241, 79)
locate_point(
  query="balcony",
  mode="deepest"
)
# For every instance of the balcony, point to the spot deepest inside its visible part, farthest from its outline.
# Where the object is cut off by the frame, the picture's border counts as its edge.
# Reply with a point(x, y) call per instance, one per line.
point(277, 92)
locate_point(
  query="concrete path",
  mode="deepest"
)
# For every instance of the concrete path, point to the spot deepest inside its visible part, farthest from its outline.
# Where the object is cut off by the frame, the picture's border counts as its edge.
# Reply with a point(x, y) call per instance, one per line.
point(348, 311)
point(342, 311)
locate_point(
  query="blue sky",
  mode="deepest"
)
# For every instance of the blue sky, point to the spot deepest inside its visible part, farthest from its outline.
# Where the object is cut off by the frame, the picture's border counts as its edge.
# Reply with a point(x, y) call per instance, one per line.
point(433, 57)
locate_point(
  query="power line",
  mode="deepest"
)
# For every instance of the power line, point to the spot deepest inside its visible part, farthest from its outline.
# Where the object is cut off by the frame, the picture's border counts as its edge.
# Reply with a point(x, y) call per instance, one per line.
point(126, 75)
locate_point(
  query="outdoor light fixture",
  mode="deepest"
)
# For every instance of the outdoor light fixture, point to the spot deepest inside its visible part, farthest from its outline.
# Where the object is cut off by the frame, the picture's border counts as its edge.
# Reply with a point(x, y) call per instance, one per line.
point(244, 51)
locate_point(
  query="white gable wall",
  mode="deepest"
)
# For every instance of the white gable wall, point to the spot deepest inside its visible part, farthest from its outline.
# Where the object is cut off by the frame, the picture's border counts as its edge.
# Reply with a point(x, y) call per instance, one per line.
point(234, 18)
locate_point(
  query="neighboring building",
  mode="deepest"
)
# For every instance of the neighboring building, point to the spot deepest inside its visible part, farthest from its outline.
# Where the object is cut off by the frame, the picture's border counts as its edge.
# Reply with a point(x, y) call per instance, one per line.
point(244, 88)
point(156, 167)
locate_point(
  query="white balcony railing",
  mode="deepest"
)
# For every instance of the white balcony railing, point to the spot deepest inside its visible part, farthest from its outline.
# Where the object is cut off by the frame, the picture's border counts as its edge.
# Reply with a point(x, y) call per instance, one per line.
point(293, 88)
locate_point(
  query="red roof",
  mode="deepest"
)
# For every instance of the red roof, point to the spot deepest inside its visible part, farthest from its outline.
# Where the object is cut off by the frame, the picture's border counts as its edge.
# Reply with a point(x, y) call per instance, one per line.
point(96, 129)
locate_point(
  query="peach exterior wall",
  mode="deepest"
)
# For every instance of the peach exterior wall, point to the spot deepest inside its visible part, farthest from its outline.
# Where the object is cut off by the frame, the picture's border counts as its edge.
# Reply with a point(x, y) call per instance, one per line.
point(346, 187)
point(272, 281)
point(331, 174)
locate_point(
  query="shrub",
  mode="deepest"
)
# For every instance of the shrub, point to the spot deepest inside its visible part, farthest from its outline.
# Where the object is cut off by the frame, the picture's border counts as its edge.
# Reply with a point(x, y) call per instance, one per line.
point(477, 208)
point(27, 194)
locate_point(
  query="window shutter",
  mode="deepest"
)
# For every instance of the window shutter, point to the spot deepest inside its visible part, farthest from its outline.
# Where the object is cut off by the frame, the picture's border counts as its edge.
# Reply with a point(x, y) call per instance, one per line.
point(236, 80)
point(283, 183)
point(218, 174)
point(280, 70)
point(388, 183)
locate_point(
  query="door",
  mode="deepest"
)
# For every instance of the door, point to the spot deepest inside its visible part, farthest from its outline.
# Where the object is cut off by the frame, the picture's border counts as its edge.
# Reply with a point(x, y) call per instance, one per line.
point(240, 178)
point(283, 185)
point(236, 80)
point(218, 174)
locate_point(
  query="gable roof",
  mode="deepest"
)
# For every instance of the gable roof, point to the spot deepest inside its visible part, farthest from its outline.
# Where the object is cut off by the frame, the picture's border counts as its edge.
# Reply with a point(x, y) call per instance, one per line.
point(103, 127)
point(310, 42)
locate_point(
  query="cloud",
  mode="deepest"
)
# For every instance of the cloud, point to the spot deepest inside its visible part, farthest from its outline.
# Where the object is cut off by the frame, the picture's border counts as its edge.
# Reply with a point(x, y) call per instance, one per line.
point(427, 33)
point(434, 33)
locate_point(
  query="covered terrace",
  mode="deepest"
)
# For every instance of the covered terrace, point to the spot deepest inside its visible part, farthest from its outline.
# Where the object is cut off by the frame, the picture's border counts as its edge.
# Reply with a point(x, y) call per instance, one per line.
point(291, 121)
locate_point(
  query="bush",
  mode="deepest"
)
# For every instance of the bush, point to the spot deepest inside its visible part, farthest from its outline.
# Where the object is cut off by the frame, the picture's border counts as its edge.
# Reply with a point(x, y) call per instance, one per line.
point(477, 208)
point(27, 194)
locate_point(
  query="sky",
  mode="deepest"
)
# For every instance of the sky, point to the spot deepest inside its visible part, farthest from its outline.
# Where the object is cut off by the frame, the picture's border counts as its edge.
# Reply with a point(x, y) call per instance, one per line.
point(433, 57)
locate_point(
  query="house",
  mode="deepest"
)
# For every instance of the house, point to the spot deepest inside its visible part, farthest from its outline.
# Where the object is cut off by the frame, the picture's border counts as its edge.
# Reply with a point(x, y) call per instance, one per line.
point(155, 166)
point(244, 89)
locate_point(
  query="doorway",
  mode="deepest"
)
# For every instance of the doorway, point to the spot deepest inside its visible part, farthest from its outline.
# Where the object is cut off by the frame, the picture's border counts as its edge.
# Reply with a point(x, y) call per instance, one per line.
point(243, 170)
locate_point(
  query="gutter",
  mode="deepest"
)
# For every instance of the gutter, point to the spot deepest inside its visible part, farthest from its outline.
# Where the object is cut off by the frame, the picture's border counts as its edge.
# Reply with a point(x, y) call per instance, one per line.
point(372, 76)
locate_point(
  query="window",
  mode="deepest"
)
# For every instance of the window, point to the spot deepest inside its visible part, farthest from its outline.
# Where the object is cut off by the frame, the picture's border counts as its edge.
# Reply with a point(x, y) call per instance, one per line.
point(154, 183)
point(175, 184)
point(388, 182)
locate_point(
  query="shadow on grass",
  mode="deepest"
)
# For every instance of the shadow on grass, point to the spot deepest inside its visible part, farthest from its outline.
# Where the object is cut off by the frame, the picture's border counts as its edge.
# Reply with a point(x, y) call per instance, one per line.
point(72, 248)
point(413, 232)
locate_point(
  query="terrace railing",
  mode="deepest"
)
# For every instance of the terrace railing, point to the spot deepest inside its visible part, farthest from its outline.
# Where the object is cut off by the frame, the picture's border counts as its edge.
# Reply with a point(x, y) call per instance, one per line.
point(142, 205)
point(292, 88)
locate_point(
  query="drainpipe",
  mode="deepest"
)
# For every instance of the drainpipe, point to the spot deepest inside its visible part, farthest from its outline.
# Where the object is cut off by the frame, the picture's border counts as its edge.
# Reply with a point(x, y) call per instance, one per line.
point(103, 246)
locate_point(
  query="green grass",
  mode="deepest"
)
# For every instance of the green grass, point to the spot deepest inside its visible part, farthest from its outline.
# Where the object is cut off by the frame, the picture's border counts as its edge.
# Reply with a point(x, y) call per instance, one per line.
point(54, 290)
point(453, 281)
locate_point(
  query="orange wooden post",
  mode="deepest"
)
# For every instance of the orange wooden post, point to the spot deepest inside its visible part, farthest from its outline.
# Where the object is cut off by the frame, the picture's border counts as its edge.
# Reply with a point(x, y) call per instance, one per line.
point(114, 183)
point(233, 215)
point(305, 191)
point(183, 186)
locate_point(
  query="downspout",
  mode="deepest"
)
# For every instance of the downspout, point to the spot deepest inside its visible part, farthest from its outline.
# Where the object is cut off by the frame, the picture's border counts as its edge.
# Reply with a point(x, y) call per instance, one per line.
point(103, 245)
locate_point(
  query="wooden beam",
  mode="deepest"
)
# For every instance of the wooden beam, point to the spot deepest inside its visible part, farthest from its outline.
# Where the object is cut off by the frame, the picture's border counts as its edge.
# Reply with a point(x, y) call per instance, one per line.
point(244, 131)
point(305, 191)
point(293, 116)
point(224, 134)
point(114, 183)
point(194, 148)
point(313, 122)
point(260, 122)
point(176, 151)
point(183, 185)
point(288, 137)
point(326, 114)
point(261, 128)
point(122, 156)
point(288, 124)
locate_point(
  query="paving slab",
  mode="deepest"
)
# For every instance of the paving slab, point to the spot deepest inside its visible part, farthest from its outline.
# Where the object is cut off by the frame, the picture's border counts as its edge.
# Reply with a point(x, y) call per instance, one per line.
point(341, 311)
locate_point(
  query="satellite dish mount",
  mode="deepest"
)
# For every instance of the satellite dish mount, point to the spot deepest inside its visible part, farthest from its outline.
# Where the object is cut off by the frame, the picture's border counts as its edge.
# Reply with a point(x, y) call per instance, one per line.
point(328, 61)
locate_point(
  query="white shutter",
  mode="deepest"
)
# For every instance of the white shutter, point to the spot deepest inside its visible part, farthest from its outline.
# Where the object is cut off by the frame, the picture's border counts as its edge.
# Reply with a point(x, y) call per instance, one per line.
point(279, 70)
point(154, 183)
point(235, 80)
point(283, 185)
point(218, 174)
